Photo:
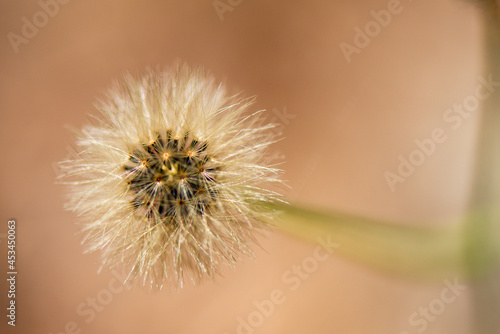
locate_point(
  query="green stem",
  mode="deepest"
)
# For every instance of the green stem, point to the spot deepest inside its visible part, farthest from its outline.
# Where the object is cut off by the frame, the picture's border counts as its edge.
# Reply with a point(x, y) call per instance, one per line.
point(470, 248)
point(415, 252)
point(483, 225)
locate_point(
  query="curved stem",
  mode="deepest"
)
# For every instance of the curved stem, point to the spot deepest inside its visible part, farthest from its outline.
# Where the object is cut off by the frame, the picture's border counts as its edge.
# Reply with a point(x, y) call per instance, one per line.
point(416, 252)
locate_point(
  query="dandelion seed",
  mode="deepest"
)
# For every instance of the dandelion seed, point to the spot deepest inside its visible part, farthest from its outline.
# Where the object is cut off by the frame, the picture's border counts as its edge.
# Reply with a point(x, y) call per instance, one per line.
point(164, 182)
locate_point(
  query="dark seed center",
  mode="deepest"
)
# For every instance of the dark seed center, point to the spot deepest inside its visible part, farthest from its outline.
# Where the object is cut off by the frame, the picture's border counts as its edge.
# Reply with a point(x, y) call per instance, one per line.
point(171, 177)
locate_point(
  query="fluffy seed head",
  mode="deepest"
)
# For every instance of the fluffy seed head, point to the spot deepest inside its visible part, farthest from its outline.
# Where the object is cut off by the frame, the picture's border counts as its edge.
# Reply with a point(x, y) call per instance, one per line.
point(166, 180)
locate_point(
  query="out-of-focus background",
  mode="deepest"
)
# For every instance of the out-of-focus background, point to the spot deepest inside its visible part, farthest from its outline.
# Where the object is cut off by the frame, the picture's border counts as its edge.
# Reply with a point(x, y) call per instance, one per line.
point(349, 106)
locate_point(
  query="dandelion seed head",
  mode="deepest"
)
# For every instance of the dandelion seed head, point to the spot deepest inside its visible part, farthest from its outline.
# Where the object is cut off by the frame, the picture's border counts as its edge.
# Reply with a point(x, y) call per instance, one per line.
point(166, 179)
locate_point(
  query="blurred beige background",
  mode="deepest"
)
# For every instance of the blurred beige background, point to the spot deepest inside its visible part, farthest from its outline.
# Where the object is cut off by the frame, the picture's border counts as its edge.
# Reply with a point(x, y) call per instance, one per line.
point(347, 125)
